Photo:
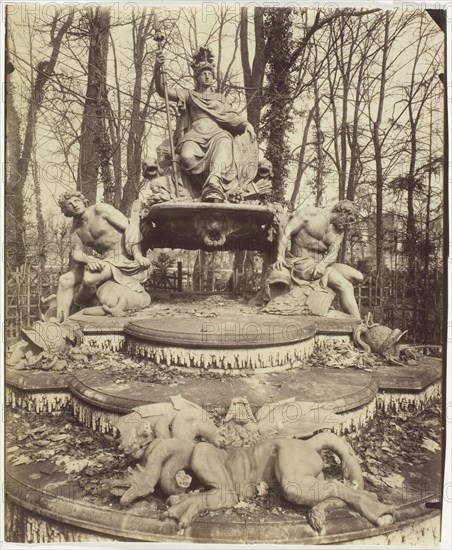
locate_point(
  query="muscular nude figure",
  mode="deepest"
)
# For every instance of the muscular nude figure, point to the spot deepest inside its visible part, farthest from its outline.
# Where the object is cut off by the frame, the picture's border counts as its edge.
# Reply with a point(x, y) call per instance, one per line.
point(107, 231)
point(315, 236)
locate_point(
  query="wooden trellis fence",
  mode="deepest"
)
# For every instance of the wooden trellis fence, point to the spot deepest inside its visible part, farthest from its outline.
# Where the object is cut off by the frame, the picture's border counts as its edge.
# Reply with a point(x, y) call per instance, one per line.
point(388, 299)
point(24, 288)
point(392, 303)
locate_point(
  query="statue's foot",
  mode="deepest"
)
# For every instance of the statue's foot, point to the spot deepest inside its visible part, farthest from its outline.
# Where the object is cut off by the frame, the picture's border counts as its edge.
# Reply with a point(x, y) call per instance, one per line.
point(212, 193)
point(183, 510)
point(114, 311)
point(119, 487)
point(375, 511)
point(316, 519)
point(138, 483)
point(129, 490)
point(317, 514)
point(118, 312)
point(386, 519)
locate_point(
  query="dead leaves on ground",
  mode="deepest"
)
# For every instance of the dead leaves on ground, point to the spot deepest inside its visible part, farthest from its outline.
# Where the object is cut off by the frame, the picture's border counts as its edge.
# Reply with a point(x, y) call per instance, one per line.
point(83, 455)
point(342, 355)
point(393, 445)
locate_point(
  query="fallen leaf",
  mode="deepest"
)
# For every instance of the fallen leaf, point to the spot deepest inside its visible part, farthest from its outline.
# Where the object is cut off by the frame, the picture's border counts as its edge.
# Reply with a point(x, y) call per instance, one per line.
point(60, 437)
point(431, 445)
point(76, 466)
point(22, 459)
point(373, 469)
point(372, 480)
point(395, 481)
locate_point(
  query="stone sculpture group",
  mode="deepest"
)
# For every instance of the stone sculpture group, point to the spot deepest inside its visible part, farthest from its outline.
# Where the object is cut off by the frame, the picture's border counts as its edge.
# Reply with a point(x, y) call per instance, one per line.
point(167, 445)
point(216, 158)
point(212, 146)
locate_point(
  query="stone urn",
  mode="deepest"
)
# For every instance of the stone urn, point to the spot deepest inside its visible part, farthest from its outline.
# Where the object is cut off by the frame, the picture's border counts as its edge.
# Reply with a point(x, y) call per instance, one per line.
point(376, 338)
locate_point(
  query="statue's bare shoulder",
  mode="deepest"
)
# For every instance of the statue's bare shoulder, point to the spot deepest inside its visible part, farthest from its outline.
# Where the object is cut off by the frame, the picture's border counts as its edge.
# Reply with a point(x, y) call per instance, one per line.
point(310, 219)
point(111, 214)
point(307, 212)
point(101, 208)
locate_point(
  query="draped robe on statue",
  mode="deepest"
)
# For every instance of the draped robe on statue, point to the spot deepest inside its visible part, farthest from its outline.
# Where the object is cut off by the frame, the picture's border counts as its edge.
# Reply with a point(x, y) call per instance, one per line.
point(209, 142)
point(124, 269)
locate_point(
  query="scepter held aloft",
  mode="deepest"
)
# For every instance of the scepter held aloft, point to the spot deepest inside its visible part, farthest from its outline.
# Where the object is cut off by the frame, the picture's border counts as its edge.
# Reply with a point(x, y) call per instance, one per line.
point(159, 37)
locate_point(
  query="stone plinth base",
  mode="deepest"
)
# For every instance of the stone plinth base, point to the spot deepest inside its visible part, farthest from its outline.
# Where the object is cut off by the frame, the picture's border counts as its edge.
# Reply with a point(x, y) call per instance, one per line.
point(226, 327)
point(97, 400)
point(226, 344)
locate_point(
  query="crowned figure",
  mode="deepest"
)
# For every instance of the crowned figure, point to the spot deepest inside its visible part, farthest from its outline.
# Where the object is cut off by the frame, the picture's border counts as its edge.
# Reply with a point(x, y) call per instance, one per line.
point(216, 147)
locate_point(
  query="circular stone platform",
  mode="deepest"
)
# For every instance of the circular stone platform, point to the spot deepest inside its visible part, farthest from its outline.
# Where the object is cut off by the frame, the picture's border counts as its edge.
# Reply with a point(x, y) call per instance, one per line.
point(71, 517)
point(231, 344)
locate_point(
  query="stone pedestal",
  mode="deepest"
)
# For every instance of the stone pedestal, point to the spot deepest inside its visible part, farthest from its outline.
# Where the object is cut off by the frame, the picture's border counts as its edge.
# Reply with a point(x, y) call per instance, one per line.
point(258, 357)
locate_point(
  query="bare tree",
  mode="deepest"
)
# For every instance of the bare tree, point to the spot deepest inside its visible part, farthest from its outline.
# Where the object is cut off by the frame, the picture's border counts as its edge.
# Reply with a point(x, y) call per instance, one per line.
point(95, 146)
point(20, 162)
point(253, 73)
point(141, 31)
point(416, 99)
point(14, 186)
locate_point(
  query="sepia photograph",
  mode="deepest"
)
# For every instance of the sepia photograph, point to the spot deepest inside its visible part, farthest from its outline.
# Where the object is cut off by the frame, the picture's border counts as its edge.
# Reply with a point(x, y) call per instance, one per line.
point(225, 273)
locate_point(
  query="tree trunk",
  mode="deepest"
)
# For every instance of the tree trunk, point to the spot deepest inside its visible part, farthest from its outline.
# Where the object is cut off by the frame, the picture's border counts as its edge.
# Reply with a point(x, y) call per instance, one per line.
point(426, 270)
point(204, 271)
point(115, 121)
point(301, 162)
point(20, 162)
point(95, 147)
point(320, 154)
point(40, 225)
point(354, 137)
point(253, 75)
point(378, 153)
point(278, 29)
point(253, 78)
point(14, 200)
point(142, 32)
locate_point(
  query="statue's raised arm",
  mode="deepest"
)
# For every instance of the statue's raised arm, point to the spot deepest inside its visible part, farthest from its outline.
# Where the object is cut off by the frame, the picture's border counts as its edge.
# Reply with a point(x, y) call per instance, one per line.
point(216, 146)
point(158, 77)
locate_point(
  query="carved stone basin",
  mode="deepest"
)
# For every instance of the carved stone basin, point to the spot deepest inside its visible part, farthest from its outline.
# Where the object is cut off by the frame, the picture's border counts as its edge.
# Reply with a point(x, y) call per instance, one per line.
point(208, 226)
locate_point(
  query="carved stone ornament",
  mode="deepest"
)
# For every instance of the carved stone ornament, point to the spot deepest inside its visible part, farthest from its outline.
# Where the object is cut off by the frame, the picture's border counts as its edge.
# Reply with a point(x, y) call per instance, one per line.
point(167, 445)
point(205, 226)
point(384, 341)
